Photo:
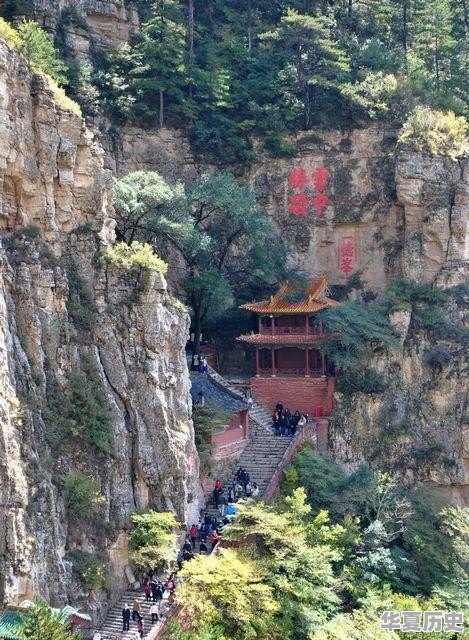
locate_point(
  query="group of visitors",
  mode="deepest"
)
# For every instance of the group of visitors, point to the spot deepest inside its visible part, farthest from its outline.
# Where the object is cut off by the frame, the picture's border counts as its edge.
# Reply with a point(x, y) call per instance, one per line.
point(240, 487)
point(199, 363)
point(284, 423)
point(158, 593)
point(205, 534)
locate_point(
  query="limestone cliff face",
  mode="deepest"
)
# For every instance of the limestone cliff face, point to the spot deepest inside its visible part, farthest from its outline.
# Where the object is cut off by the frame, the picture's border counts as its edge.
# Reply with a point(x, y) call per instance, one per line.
point(64, 309)
point(87, 23)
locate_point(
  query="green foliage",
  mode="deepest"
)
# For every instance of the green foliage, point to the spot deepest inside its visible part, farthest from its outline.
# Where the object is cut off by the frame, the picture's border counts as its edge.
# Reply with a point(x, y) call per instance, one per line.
point(80, 411)
point(153, 541)
point(423, 300)
point(137, 198)
point(357, 327)
point(137, 255)
point(228, 590)
point(46, 624)
point(437, 357)
point(39, 52)
point(436, 132)
point(81, 494)
point(9, 34)
point(366, 381)
point(224, 239)
point(90, 571)
point(207, 419)
point(80, 304)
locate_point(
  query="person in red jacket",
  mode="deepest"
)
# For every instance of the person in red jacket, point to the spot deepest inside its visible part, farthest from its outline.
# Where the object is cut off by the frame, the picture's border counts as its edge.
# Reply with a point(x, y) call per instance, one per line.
point(214, 538)
point(193, 534)
point(216, 492)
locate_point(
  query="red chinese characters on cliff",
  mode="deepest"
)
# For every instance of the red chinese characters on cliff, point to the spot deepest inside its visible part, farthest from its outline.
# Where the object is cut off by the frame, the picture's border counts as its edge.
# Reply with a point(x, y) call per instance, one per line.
point(297, 204)
point(298, 182)
point(347, 255)
point(298, 179)
point(320, 177)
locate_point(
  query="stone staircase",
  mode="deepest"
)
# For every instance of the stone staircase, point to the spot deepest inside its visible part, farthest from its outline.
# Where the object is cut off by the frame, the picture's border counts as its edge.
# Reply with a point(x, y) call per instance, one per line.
point(111, 629)
point(264, 450)
point(263, 454)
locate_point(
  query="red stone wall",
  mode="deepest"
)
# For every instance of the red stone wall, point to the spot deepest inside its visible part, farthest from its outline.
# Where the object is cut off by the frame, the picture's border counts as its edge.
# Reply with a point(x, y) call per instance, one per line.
point(304, 394)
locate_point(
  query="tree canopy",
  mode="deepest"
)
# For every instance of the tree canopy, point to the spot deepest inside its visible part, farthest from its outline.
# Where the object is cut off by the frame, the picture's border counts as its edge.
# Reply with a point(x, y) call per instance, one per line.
point(221, 242)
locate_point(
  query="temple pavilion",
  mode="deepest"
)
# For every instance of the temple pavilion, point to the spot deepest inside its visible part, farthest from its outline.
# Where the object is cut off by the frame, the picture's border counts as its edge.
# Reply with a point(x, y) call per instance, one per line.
point(289, 366)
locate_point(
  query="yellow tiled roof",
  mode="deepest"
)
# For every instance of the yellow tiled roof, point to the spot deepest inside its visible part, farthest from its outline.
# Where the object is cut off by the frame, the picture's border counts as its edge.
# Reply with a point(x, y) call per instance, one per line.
point(313, 298)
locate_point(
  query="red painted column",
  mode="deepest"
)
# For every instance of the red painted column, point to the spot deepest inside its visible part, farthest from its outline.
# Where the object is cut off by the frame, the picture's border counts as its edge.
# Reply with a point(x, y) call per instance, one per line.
point(307, 362)
point(257, 363)
point(274, 372)
point(315, 360)
point(307, 325)
point(323, 367)
point(260, 323)
point(272, 324)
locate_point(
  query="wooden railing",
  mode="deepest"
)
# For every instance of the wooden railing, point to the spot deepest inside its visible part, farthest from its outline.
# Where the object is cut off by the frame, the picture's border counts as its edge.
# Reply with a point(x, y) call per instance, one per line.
point(284, 331)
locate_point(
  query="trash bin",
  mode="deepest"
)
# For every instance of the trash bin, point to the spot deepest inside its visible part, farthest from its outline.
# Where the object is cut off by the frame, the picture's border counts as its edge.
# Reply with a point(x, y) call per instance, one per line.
point(318, 411)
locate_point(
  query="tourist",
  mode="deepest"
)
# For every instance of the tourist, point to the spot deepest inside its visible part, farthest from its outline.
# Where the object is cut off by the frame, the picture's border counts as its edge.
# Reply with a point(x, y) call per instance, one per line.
point(159, 591)
point(279, 408)
point(193, 534)
point(195, 362)
point(201, 400)
point(216, 493)
point(302, 421)
point(187, 555)
point(126, 618)
point(135, 609)
point(207, 519)
point(154, 588)
point(238, 491)
point(248, 490)
point(154, 613)
point(147, 590)
point(203, 547)
point(140, 627)
point(170, 584)
point(96, 635)
point(187, 545)
point(179, 559)
point(255, 490)
point(230, 510)
point(231, 494)
point(214, 538)
point(276, 425)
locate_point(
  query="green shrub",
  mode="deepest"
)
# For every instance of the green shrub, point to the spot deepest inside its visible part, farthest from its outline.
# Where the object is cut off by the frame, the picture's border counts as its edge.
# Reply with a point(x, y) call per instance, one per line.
point(207, 419)
point(361, 381)
point(423, 300)
point(435, 132)
point(135, 255)
point(438, 357)
point(90, 571)
point(80, 301)
point(81, 495)
point(8, 34)
point(153, 541)
point(81, 411)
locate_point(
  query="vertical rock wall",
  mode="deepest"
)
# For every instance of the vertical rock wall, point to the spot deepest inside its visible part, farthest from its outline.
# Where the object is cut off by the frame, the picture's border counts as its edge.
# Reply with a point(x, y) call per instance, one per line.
point(61, 306)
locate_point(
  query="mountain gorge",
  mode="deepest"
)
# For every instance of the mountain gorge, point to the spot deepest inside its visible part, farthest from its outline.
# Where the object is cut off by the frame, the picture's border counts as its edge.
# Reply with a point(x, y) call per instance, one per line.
point(95, 406)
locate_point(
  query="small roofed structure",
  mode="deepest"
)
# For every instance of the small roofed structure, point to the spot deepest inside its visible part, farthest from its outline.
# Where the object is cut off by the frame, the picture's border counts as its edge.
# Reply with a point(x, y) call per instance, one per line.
point(12, 619)
point(289, 365)
point(233, 436)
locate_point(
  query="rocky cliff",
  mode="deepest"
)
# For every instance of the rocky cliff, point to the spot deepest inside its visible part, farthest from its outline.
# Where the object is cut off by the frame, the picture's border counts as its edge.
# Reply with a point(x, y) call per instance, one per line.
point(94, 387)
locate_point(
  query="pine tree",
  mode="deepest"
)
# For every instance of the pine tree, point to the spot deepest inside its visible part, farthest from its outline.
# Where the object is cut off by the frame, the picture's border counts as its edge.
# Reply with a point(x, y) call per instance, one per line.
point(310, 56)
point(159, 58)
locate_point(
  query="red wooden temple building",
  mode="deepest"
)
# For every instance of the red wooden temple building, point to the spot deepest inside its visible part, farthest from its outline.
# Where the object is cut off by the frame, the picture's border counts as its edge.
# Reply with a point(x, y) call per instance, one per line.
point(289, 366)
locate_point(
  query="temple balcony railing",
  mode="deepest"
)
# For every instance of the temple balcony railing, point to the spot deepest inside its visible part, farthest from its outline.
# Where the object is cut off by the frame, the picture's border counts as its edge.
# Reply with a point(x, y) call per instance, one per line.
point(293, 331)
point(293, 372)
